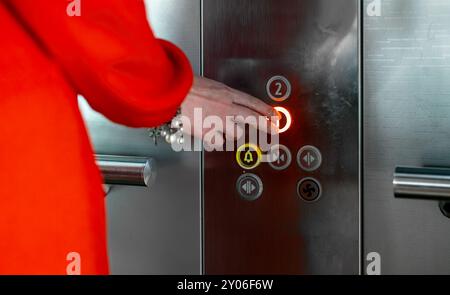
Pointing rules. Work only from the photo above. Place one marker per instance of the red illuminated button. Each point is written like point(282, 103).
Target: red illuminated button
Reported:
point(286, 119)
point(278, 88)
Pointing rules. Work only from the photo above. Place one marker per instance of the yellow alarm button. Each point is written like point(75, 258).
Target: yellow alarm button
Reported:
point(248, 156)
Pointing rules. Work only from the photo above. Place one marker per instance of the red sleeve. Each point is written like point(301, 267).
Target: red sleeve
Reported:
point(112, 58)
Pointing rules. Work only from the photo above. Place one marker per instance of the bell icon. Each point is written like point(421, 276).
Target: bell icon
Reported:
point(248, 157)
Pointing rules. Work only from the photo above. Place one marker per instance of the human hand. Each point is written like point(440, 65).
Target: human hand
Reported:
point(230, 105)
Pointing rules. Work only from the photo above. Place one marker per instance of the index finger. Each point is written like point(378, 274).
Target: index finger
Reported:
point(257, 105)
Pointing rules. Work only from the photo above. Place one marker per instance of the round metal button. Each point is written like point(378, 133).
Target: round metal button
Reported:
point(309, 189)
point(309, 158)
point(278, 88)
point(248, 156)
point(279, 157)
point(249, 187)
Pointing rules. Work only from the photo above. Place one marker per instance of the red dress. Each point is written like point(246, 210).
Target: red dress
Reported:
point(51, 199)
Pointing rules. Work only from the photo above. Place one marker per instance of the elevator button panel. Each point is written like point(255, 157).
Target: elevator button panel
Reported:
point(309, 158)
point(309, 203)
point(249, 187)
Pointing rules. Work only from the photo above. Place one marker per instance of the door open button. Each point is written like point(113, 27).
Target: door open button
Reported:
point(249, 187)
point(309, 158)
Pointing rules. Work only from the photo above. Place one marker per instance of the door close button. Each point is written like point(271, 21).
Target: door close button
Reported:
point(280, 157)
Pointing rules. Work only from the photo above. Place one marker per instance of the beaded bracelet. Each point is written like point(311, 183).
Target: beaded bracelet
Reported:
point(172, 131)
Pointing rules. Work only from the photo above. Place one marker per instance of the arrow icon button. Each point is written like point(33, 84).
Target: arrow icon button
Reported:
point(309, 158)
point(249, 187)
point(280, 157)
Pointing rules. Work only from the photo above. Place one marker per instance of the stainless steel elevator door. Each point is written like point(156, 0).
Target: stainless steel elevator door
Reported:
point(156, 230)
point(406, 123)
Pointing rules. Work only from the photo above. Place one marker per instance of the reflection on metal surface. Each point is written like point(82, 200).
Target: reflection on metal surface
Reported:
point(127, 170)
point(313, 44)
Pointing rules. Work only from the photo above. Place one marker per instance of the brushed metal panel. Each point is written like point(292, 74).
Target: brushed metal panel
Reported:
point(406, 123)
point(315, 45)
point(157, 230)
